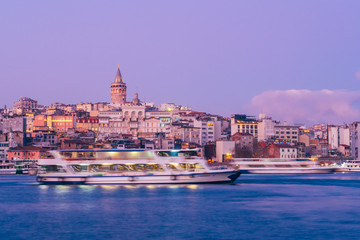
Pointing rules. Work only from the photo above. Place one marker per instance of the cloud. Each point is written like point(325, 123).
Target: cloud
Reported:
point(307, 106)
point(357, 75)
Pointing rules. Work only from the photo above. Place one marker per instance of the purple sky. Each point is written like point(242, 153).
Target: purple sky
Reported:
point(216, 56)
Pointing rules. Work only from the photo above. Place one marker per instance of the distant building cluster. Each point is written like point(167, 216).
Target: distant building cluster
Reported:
point(29, 130)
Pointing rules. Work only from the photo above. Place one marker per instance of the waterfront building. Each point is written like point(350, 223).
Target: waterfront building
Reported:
point(172, 106)
point(185, 133)
point(58, 123)
point(24, 104)
point(281, 151)
point(301, 150)
point(15, 124)
point(211, 126)
point(355, 139)
point(164, 143)
point(26, 154)
point(155, 125)
point(54, 111)
point(74, 144)
point(244, 144)
point(4, 148)
point(88, 123)
point(266, 128)
point(44, 139)
point(244, 124)
point(287, 134)
point(87, 107)
point(29, 118)
point(304, 138)
point(210, 129)
point(338, 140)
point(225, 150)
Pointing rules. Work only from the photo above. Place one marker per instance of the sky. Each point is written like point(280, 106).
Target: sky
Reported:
point(296, 61)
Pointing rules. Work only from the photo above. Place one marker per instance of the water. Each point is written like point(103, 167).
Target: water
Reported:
point(256, 207)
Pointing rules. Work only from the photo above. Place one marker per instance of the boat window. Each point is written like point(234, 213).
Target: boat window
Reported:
point(177, 153)
point(125, 168)
point(154, 167)
point(52, 168)
point(194, 166)
point(121, 167)
point(163, 154)
point(257, 166)
point(282, 165)
point(66, 154)
point(183, 165)
point(109, 155)
point(49, 156)
point(89, 154)
point(172, 166)
point(80, 168)
point(100, 168)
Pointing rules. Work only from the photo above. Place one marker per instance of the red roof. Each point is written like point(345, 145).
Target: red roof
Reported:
point(28, 148)
point(281, 146)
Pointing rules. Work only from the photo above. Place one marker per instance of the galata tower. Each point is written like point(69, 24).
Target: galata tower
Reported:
point(118, 90)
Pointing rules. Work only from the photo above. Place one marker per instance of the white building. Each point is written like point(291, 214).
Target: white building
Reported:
point(134, 120)
point(244, 124)
point(355, 139)
point(287, 151)
point(338, 138)
point(266, 128)
point(210, 129)
point(4, 147)
point(225, 149)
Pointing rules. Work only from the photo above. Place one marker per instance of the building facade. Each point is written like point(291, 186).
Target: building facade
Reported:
point(244, 124)
point(287, 134)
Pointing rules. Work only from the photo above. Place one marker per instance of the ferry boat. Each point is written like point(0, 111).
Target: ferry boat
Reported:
point(279, 166)
point(130, 167)
point(350, 166)
point(7, 169)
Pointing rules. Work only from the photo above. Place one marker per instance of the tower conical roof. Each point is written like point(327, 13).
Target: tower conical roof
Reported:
point(118, 77)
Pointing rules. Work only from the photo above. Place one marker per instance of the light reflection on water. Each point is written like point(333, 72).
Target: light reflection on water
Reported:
point(109, 187)
point(255, 207)
point(61, 189)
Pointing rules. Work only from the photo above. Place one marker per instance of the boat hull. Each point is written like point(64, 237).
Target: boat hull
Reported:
point(288, 171)
point(348, 170)
point(7, 171)
point(210, 177)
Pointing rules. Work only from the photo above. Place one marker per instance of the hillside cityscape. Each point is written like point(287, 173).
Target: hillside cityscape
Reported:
point(28, 130)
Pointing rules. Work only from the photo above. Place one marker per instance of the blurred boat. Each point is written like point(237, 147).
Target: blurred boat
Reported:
point(279, 166)
point(349, 166)
point(113, 166)
point(7, 169)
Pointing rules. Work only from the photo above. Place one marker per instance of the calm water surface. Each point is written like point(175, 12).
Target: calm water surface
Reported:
point(256, 207)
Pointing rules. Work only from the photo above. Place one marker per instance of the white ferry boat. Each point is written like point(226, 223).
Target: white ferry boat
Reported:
point(279, 166)
point(350, 166)
point(129, 167)
point(7, 169)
